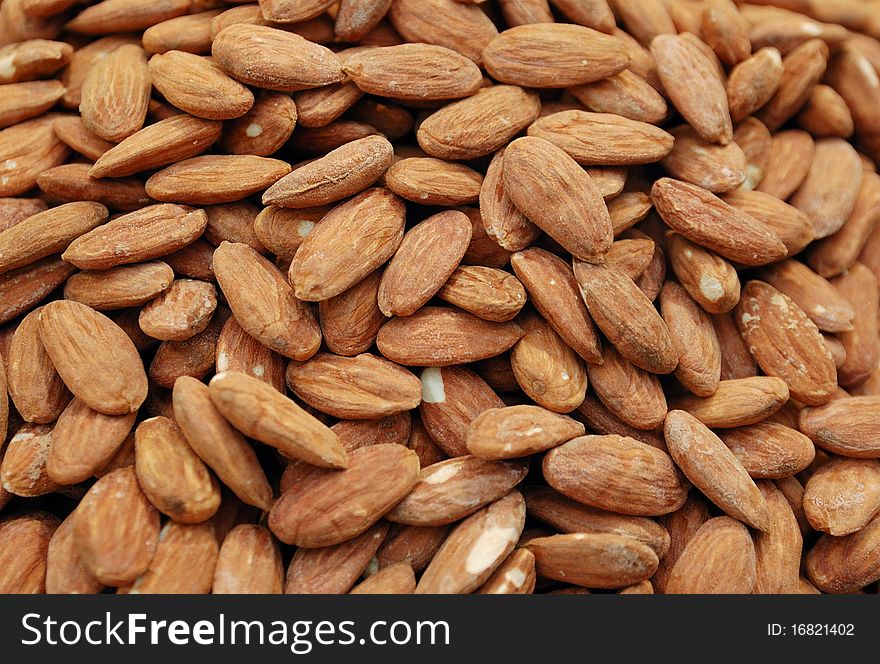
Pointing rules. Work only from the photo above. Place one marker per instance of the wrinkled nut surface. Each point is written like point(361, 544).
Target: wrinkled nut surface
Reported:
point(439, 296)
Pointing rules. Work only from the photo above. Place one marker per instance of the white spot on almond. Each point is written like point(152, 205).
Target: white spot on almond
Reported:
point(711, 288)
point(442, 474)
point(488, 547)
point(253, 130)
point(433, 390)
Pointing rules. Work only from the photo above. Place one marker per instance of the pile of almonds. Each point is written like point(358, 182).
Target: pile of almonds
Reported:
point(439, 296)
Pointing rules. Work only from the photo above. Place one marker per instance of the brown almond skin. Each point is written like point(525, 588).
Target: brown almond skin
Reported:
point(352, 240)
point(23, 553)
point(455, 488)
point(329, 508)
point(239, 351)
point(769, 449)
point(791, 155)
point(549, 54)
point(753, 82)
point(626, 94)
point(261, 412)
point(212, 179)
point(569, 516)
point(413, 545)
point(518, 431)
point(253, 54)
point(342, 172)
point(792, 226)
point(220, 446)
point(599, 419)
point(845, 564)
point(829, 192)
point(546, 369)
point(23, 469)
point(699, 361)
point(65, 573)
point(249, 562)
point(25, 287)
point(802, 68)
point(138, 236)
point(171, 475)
point(116, 529)
point(360, 387)
point(636, 330)
point(719, 559)
point(33, 146)
point(452, 397)
point(479, 125)
point(782, 340)
point(333, 569)
point(846, 427)
point(181, 312)
point(736, 361)
point(47, 233)
point(426, 258)
point(707, 220)
point(694, 87)
point(183, 563)
point(431, 181)
point(115, 94)
point(475, 548)
point(83, 442)
point(208, 93)
point(486, 292)
point(282, 322)
point(164, 142)
point(120, 287)
point(397, 72)
point(36, 389)
point(555, 293)
point(272, 118)
point(713, 469)
point(736, 402)
point(351, 320)
point(718, 168)
point(823, 303)
point(709, 279)
point(503, 222)
point(455, 25)
point(862, 343)
point(680, 527)
point(436, 337)
point(593, 560)
point(778, 552)
point(603, 139)
point(282, 230)
point(843, 495)
point(94, 357)
point(616, 473)
point(632, 394)
point(72, 182)
point(397, 579)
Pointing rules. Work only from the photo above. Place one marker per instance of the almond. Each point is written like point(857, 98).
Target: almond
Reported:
point(183, 563)
point(23, 553)
point(794, 350)
point(249, 562)
point(143, 235)
point(341, 173)
point(845, 564)
point(115, 93)
point(707, 220)
point(21, 289)
point(503, 221)
point(238, 351)
point(171, 475)
point(616, 473)
point(261, 412)
point(351, 320)
point(219, 445)
point(862, 343)
point(262, 130)
point(364, 386)
point(593, 560)
point(329, 508)
point(769, 449)
point(719, 559)
point(23, 468)
point(517, 431)
point(791, 155)
point(65, 573)
point(352, 240)
point(802, 68)
point(791, 225)
point(119, 287)
point(436, 337)
point(626, 94)
point(116, 529)
point(627, 317)
point(475, 548)
point(718, 168)
point(424, 261)
point(602, 139)
point(843, 495)
point(84, 441)
point(846, 427)
point(27, 150)
point(480, 124)
point(274, 59)
point(736, 402)
point(94, 357)
point(552, 55)
point(713, 469)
